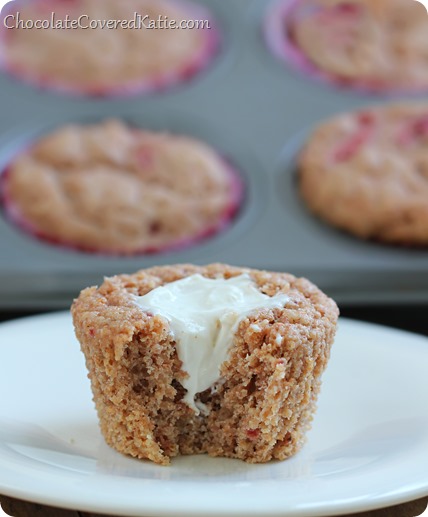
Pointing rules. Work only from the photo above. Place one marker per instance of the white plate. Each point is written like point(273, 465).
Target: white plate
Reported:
point(368, 447)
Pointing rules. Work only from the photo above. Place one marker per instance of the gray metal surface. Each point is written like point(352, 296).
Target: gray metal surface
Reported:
point(256, 112)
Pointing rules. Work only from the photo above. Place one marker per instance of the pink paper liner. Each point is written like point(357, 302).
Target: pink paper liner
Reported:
point(277, 33)
point(237, 190)
point(158, 83)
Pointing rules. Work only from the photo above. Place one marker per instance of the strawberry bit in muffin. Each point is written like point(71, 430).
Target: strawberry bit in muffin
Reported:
point(253, 434)
point(414, 131)
point(145, 156)
point(351, 145)
point(341, 19)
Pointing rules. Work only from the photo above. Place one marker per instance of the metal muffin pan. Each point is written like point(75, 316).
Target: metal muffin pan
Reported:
point(54, 267)
point(255, 111)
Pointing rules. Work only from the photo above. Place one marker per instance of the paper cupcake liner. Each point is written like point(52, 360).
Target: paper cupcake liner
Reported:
point(277, 33)
point(160, 82)
point(237, 190)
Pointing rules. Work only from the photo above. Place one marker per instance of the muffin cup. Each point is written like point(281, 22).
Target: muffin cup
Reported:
point(264, 400)
point(277, 34)
point(160, 82)
point(235, 200)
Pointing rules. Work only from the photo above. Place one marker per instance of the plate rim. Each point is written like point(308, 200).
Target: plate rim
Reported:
point(330, 508)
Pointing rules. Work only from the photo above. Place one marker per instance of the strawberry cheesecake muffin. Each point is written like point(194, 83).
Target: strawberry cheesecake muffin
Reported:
point(376, 45)
point(115, 189)
point(215, 359)
point(107, 47)
point(367, 173)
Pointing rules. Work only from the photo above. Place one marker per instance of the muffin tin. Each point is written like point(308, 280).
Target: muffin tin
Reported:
point(257, 112)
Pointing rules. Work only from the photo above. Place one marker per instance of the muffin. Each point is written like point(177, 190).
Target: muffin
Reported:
point(366, 172)
point(205, 359)
point(377, 45)
point(106, 47)
point(115, 189)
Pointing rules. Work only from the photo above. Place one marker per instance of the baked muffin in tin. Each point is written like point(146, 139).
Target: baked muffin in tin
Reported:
point(366, 172)
point(375, 45)
point(115, 189)
point(116, 48)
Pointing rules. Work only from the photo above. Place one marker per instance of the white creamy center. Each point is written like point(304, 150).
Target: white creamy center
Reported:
point(203, 315)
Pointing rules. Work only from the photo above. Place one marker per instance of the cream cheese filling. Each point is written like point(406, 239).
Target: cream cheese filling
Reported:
point(203, 315)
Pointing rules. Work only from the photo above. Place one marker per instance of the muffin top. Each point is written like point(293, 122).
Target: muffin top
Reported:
point(380, 44)
point(116, 189)
point(111, 314)
point(367, 172)
point(115, 46)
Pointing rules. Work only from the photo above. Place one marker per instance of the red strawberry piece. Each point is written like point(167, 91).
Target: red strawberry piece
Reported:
point(350, 146)
point(413, 131)
point(253, 434)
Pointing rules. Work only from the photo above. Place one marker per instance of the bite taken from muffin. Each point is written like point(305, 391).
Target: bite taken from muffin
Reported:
point(210, 359)
point(115, 189)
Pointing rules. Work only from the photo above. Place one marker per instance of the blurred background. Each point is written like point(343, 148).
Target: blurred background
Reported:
point(250, 80)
